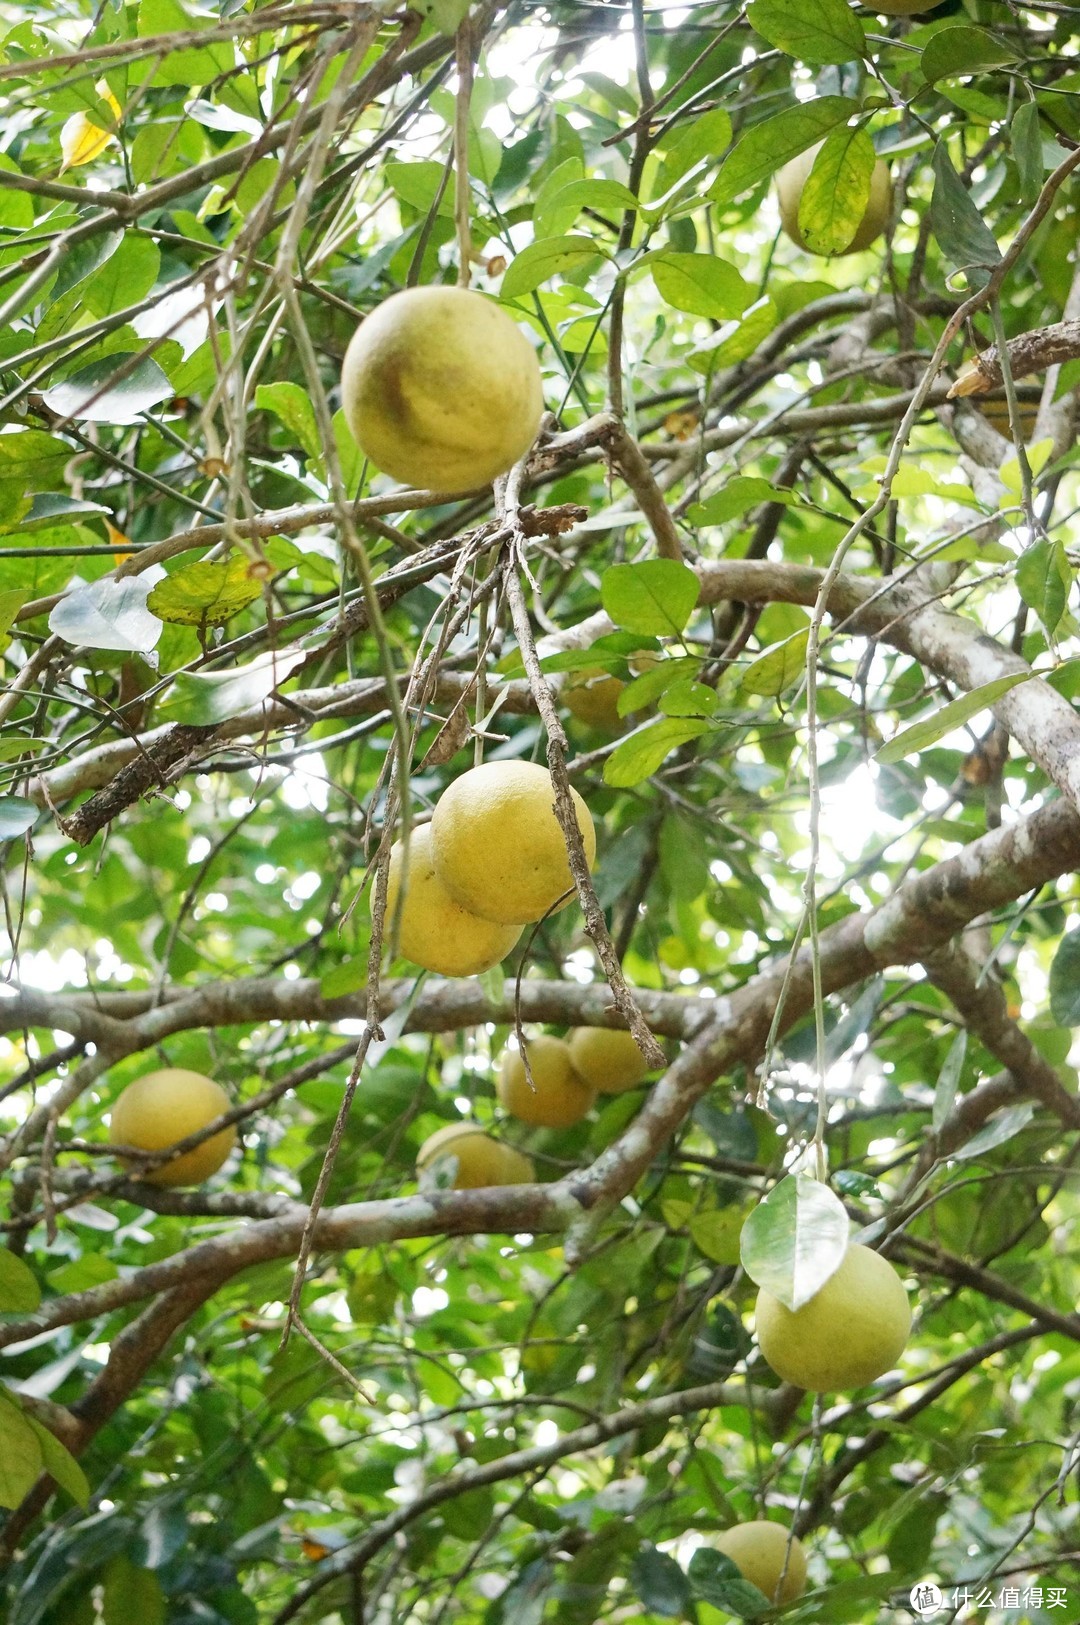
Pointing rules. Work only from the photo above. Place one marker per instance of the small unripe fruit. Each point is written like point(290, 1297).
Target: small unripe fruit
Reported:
point(434, 931)
point(789, 188)
point(165, 1107)
point(606, 1059)
point(497, 845)
point(849, 1333)
point(480, 1160)
point(760, 1551)
point(559, 1098)
point(441, 389)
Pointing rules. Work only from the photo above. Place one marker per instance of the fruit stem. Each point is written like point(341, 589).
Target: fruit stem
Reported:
point(464, 64)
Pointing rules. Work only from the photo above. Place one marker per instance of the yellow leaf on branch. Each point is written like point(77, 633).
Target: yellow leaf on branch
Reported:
point(81, 140)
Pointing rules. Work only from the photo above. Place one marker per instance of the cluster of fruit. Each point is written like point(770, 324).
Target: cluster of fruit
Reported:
point(567, 1076)
point(492, 860)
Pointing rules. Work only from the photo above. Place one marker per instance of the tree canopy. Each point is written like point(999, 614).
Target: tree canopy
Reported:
point(782, 589)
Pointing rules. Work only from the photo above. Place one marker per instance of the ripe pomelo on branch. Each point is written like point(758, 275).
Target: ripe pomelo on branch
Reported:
point(434, 931)
point(792, 179)
point(164, 1107)
point(850, 1332)
point(761, 1553)
point(479, 1159)
point(606, 1058)
point(441, 389)
point(560, 1098)
point(498, 846)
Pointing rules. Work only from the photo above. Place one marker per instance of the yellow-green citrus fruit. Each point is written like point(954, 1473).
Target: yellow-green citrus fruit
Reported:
point(480, 1159)
point(498, 846)
point(435, 931)
point(606, 1059)
point(163, 1107)
point(849, 1333)
point(559, 1099)
point(592, 695)
point(789, 187)
point(761, 1554)
point(441, 389)
point(901, 8)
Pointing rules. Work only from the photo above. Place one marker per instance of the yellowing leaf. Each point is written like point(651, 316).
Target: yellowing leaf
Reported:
point(81, 140)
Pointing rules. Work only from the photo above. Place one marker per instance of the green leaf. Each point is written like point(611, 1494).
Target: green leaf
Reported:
point(688, 699)
point(603, 196)
point(117, 390)
point(60, 1464)
point(999, 1128)
point(656, 597)
point(186, 67)
point(963, 51)
point(716, 1579)
point(83, 260)
point(779, 666)
point(204, 594)
point(706, 136)
point(910, 1544)
point(736, 340)
point(795, 1239)
point(1044, 580)
point(1025, 134)
point(964, 236)
point(817, 31)
point(33, 460)
point(717, 1235)
point(643, 690)
point(21, 1460)
point(79, 1273)
point(700, 284)
point(948, 1080)
point(16, 816)
point(837, 191)
point(108, 615)
point(292, 406)
point(950, 716)
point(660, 1584)
point(132, 1594)
point(16, 207)
point(469, 1516)
point(1065, 982)
point(347, 977)
point(50, 509)
point(19, 1290)
point(127, 277)
point(638, 757)
point(739, 496)
point(351, 459)
point(768, 146)
point(10, 604)
point(202, 699)
point(544, 259)
point(549, 221)
point(684, 861)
